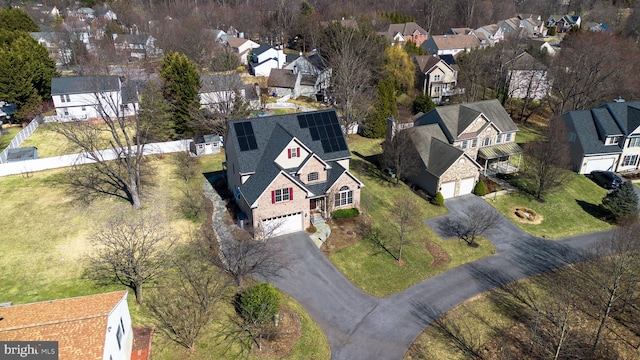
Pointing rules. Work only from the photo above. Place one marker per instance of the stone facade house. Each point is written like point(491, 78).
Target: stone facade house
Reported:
point(399, 34)
point(606, 137)
point(285, 170)
point(455, 143)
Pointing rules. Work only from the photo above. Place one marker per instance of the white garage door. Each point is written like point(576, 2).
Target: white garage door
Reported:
point(282, 224)
point(466, 186)
point(448, 189)
point(599, 164)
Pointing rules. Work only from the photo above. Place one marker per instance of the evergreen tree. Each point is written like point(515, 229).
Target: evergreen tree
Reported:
point(622, 203)
point(384, 108)
point(181, 86)
point(15, 19)
point(155, 114)
point(422, 103)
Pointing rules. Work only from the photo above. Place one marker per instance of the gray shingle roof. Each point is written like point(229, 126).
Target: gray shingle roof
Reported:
point(272, 134)
point(457, 118)
point(282, 78)
point(587, 133)
point(84, 84)
point(432, 146)
point(220, 82)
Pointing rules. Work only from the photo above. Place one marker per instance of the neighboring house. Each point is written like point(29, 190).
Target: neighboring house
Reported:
point(399, 34)
point(316, 75)
point(22, 153)
point(91, 97)
point(51, 42)
point(450, 44)
point(136, 46)
point(438, 78)
point(606, 137)
point(527, 78)
point(454, 143)
point(564, 23)
point(596, 27)
point(106, 14)
point(242, 47)
point(86, 327)
point(532, 26)
point(206, 144)
point(218, 91)
point(285, 169)
point(264, 58)
point(490, 34)
point(283, 82)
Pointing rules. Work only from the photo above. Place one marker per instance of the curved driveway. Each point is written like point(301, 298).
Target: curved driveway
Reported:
point(360, 326)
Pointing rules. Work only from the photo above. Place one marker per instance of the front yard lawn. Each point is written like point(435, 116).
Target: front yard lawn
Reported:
point(8, 133)
point(568, 211)
point(376, 272)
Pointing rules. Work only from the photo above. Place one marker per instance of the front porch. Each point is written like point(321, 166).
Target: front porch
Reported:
point(497, 159)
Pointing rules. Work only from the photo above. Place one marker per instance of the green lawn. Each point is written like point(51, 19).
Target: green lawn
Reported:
point(5, 138)
point(571, 210)
point(375, 272)
point(528, 133)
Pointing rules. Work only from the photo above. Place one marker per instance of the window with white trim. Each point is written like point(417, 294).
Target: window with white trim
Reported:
point(612, 141)
point(65, 98)
point(499, 139)
point(344, 197)
point(436, 77)
point(66, 111)
point(314, 176)
point(630, 160)
point(486, 141)
point(508, 137)
point(281, 195)
point(474, 142)
point(464, 144)
point(436, 89)
point(634, 142)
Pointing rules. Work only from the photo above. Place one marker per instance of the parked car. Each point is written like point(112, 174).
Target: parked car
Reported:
point(606, 179)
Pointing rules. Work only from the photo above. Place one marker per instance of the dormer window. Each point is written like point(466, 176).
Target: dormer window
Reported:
point(508, 137)
point(612, 141)
point(294, 152)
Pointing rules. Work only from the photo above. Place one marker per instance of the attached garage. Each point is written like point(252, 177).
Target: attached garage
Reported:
point(448, 189)
point(599, 164)
point(466, 186)
point(284, 224)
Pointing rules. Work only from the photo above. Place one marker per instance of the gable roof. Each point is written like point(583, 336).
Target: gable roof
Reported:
point(593, 126)
point(444, 42)
point(262, 48)
point(525, 61)
point(78, 324)
point(273, 133)
point(405, 29)
point(84, 84)
point(433, 148)
point(220, 82)
point(282, 78)
point(427, 62)
point(456, 118)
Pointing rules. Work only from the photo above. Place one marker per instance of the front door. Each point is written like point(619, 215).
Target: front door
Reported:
point(312, 204)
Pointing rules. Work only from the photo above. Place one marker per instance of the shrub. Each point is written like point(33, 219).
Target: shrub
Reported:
point(622, 203)
point(240, 69)
point(312, 229)
point(258, 304)
point(345, 213)
point(480, 189)
point(438, 200)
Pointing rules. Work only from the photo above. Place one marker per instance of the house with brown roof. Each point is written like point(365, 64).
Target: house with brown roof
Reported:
point(85, 327)
point(284, 82)
point(241, 47)
point(438, 78)
point(399, 34)
point(450, 44)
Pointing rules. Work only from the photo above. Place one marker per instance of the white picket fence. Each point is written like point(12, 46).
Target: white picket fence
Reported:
point(20, 137)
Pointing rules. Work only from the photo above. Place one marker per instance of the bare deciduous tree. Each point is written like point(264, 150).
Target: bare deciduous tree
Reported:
point(405, 215)
point(476, 221)
point(397, 158)
point(130, 249)
point(188, 299)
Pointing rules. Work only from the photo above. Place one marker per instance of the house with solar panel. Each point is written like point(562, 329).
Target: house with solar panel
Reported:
point(287, 170)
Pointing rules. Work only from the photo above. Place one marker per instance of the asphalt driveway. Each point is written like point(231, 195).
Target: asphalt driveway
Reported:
point(360, 326)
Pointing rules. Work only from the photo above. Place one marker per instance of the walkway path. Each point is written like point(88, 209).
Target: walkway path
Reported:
point(360, 326)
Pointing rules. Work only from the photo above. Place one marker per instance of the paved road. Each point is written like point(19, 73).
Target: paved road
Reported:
point(359, 326)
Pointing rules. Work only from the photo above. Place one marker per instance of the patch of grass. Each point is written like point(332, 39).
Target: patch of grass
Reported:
point(376, 272)
point(527, 133)
point(8, 133)
point(568, 211)
point(48, 142)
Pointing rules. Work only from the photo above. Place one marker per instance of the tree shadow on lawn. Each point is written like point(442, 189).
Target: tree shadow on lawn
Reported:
point(594, 210)
point(369, 169)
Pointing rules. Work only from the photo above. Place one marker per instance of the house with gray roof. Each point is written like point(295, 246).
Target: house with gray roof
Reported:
point(399, 34)
point(439, 79)
point(287, 170)
point(527, 77)
point(455, 143)
point(264, 58)
point(606, 137)
point(284, 82)
point(92, 97)
point(316, 75)
point(219, 92)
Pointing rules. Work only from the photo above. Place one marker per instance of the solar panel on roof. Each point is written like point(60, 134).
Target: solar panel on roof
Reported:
point(245, 135)
point(325, 128)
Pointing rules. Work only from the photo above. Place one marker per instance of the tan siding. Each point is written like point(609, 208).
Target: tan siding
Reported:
point(289, 163)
